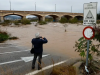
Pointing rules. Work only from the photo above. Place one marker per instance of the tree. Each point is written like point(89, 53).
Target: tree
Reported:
point(98, 16)
point(63, 20)
point(81, 45)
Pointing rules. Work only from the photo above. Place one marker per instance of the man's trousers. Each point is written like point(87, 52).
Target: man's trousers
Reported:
point(39, 60)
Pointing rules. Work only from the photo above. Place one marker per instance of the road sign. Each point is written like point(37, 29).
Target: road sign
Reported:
point(88, 32)
point(90, 14)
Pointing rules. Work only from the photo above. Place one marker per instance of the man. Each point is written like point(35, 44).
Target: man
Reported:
point(38, 49)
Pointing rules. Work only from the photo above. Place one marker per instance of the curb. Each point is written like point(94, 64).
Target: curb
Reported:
point(47, 71)
point(77, 65)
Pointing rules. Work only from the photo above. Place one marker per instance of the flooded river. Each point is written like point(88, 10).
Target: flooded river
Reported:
point(59, 42)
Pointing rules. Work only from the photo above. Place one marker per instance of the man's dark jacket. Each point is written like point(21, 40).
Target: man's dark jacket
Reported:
point(38, 44)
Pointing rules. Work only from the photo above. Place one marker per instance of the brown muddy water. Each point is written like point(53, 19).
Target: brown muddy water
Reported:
point(59, 42)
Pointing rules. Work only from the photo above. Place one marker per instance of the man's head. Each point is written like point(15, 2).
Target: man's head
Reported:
point(37, 35)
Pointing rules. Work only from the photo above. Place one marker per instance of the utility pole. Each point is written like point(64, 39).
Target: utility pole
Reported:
point(71, 9)
point(35, 6)
point(10, 4)
point(55, 7)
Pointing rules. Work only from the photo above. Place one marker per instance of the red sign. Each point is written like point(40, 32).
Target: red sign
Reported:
point(88, 33)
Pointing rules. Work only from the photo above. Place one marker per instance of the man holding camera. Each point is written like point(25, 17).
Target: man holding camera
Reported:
point(38, 49)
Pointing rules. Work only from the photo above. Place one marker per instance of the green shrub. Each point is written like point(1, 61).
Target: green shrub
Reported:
point(74, 20)
point(80, 21)
point(63, 20)
point(25, 21)
point(33, 20)
point(42, 22)
point(13, 38)
point(19, 21)
point(16, 22)
point(3, 36)
point(4, 24)
point(7, 21)
point(49, 19)
point(98, 21)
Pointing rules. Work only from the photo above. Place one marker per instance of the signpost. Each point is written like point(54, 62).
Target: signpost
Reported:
point(90, 18)
point(88, 32)
point(90, 13)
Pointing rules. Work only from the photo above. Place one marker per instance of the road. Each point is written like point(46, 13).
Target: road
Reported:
point(17, 60)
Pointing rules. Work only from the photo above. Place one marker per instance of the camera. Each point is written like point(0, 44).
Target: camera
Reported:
point(40, 37)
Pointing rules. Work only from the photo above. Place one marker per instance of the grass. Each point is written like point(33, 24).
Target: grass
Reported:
point(63, 70)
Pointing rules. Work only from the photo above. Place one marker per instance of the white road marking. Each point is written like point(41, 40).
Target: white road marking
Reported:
point(14, 51)
point(9, 46)
point(50, 66)
point(25, 59)
point(10, 62)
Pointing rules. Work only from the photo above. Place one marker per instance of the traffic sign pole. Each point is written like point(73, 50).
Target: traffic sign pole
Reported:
point(87, 52)
point(90, 18)
point(88, 34)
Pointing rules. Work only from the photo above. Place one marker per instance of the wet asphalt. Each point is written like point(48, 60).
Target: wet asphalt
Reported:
point(12, 64)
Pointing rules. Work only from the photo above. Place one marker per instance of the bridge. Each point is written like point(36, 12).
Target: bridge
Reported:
point(40, 14)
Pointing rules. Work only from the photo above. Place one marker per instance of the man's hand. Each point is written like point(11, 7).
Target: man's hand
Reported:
point(42, 37)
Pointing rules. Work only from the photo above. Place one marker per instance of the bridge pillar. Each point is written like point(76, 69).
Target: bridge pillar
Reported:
point(59, 18)
point(24, 17)
point(2, 19)
point(42, 18)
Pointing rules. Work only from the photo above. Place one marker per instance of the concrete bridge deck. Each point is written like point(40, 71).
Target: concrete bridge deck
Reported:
point(40, 14)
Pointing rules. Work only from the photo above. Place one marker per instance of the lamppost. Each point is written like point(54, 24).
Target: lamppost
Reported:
point(55, 7)
point(71, 9)
point(35, 6)
point(10, 4)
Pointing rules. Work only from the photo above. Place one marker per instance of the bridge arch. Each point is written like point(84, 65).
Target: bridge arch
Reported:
point(55, 17)
point(14, 14)
point(68, 17)
point(17, 14)
point(79, 17)
point(40, 17)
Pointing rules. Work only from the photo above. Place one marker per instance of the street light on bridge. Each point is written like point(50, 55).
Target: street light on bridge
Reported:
point(35, 6)
point(10, 4)
point(71, 9)
point(55, 7)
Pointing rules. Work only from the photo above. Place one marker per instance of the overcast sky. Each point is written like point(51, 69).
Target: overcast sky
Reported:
point(47, 5)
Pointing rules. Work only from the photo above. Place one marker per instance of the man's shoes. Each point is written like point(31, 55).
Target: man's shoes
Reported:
point(33, 67)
